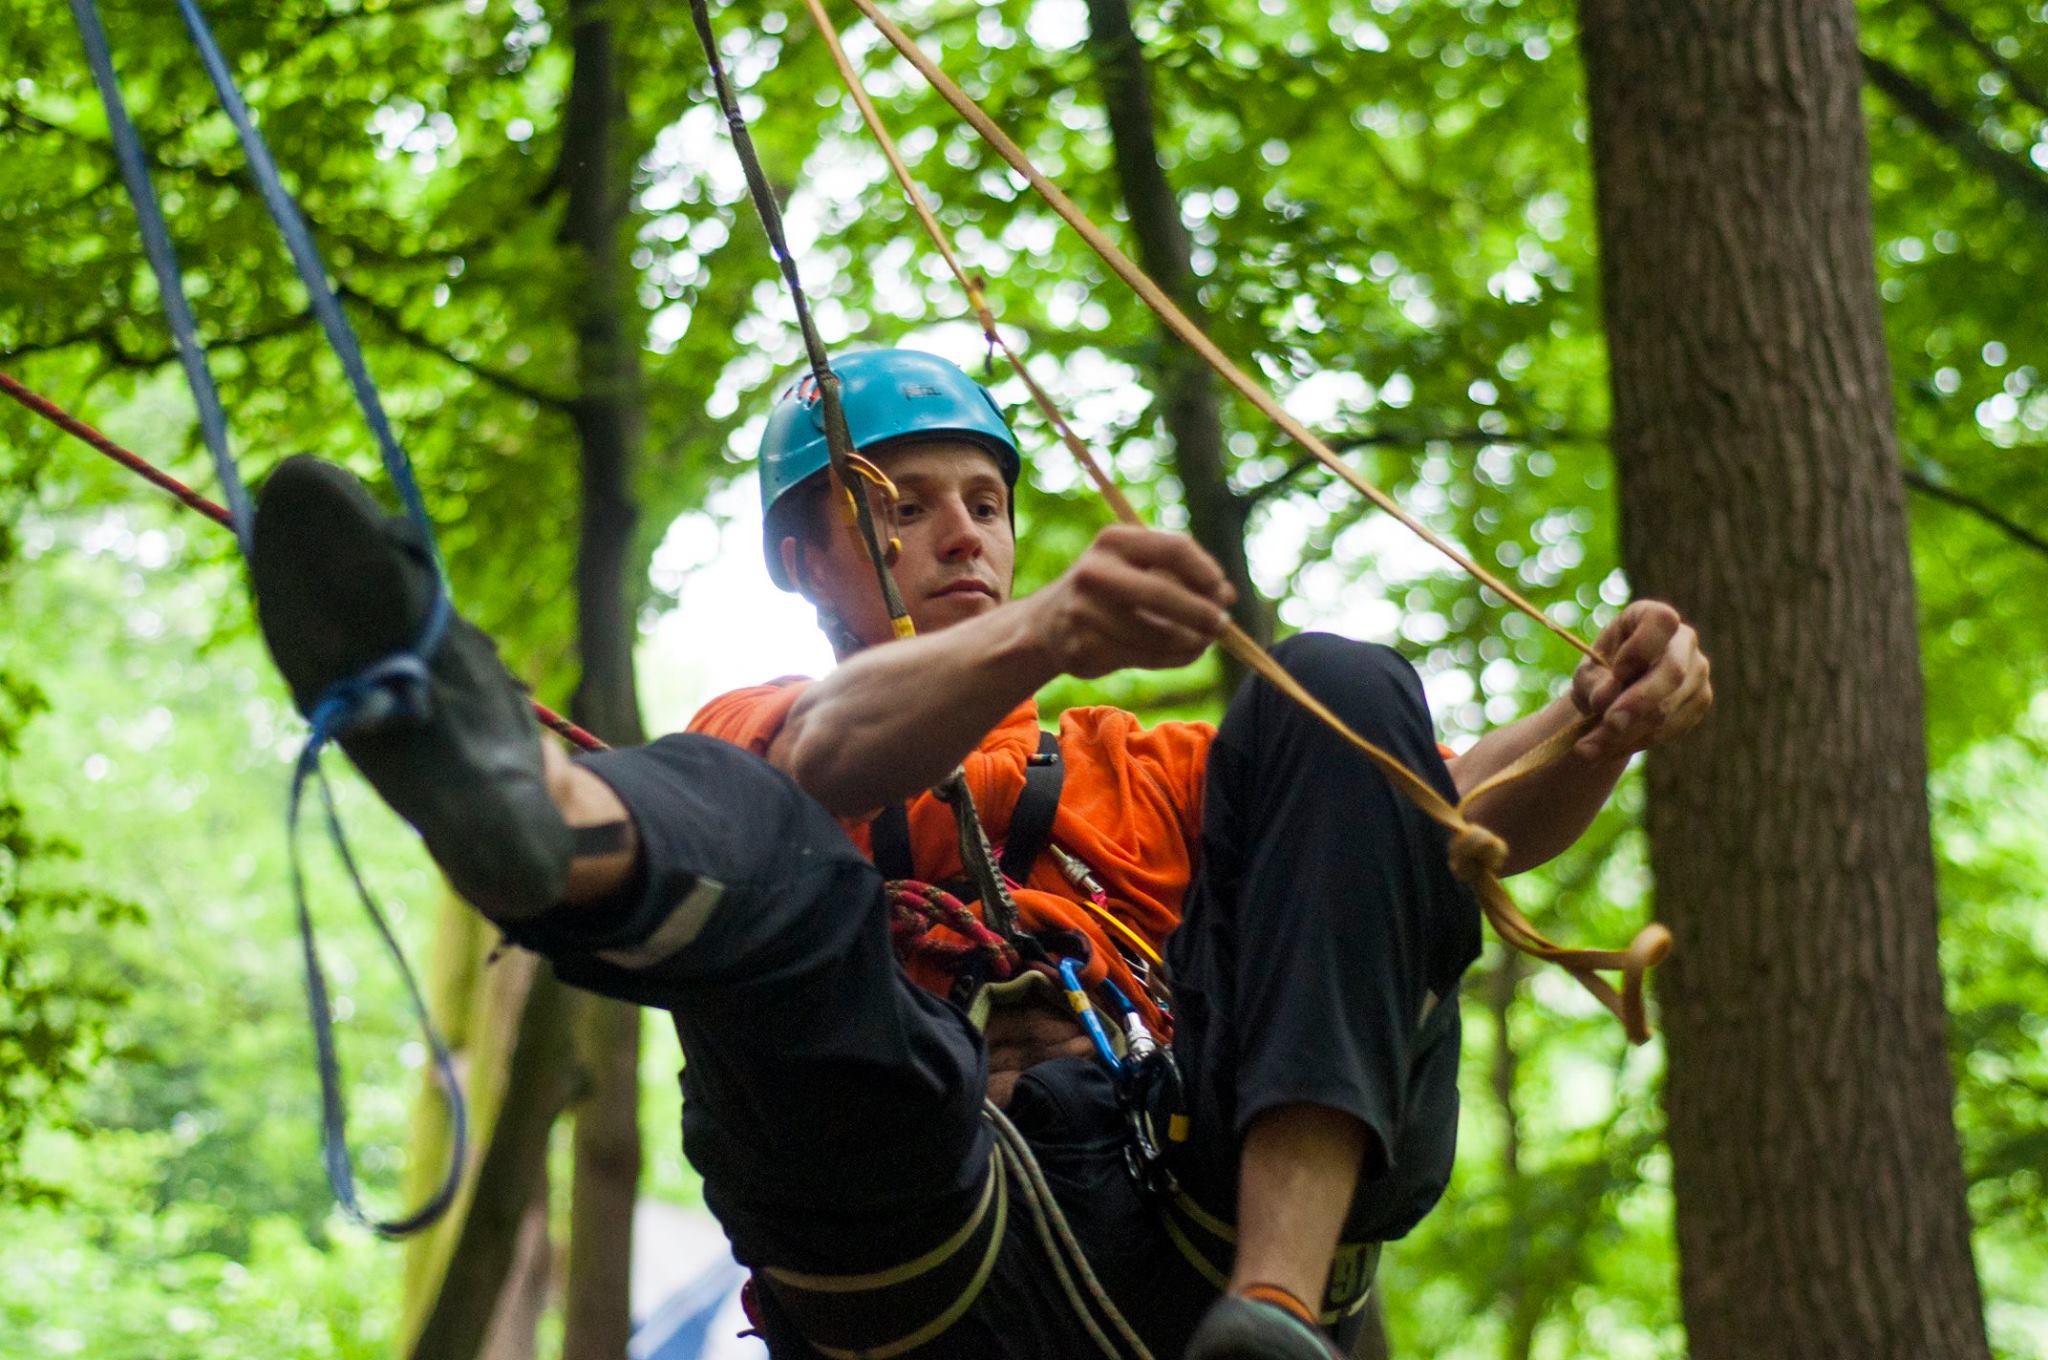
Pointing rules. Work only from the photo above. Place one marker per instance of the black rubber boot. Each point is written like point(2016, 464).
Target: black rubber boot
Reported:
point(1238, 1328)
point(340, 585)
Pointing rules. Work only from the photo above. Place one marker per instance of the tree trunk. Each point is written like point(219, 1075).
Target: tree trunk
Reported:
point(1522, 1304)
point(515, 1328)
point(1818, 1179)
point(529, 1084)
point(608, 415)
point(1189, 405)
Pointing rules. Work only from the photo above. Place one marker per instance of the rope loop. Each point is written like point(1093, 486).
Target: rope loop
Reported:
point(917, 908)
point(393, 687)
point(1476, 853)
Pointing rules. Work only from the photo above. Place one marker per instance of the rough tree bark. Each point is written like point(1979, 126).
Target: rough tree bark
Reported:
point(1819, 1183)
point(608, 416)
point(1189, 405)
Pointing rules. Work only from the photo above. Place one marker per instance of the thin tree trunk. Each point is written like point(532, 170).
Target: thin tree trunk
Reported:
point(530, 1089)
point(1523, 1305)
point(608, 415)
point(1819, 1183)
point(515, 1327)
point(1189, 405)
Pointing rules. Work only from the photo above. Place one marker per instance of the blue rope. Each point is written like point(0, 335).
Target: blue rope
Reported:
point(163, 258)
point(393, 688)
point(299, 241)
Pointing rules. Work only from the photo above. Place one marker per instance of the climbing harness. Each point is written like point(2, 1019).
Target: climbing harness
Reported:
point(859, 1317)
point(1137, 952)
point(1030, 834)
point(391, 688)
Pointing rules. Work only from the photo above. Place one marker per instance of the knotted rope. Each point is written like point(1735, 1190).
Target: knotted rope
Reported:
point(1476, 854)
point(916, 909)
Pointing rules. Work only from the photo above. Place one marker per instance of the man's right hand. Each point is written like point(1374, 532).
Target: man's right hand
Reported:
point(1136, 597)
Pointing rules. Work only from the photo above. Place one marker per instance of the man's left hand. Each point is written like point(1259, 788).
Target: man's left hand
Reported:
point(1019, 1038)
point(1656, 688)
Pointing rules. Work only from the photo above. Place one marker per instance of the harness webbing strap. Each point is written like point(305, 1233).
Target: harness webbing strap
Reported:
point(1031, 822)
point(899, 1274)
point(833, 1311)
point(889, 843)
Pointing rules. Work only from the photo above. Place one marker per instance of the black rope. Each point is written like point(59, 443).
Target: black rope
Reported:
point(999, 908)
point(838, 439)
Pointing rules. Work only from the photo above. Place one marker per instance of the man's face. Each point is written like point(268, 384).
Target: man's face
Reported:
point(953, 517)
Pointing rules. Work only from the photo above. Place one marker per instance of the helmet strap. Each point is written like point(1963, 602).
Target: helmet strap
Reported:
point(845, 642)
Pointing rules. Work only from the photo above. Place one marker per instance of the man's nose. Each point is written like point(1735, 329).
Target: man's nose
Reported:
point(959, 539)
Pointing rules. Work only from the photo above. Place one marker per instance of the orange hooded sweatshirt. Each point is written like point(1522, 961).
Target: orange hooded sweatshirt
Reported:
point(1130, 810)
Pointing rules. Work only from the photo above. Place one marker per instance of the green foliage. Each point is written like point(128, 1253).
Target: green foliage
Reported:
point(56, 1002)
point(57, 998)
point(118, 1273)
point(1391, 208)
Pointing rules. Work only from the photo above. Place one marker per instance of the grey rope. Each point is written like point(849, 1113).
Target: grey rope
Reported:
point(1062, 1247)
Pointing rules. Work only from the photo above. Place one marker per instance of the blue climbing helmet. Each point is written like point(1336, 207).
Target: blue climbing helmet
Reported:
point(890, 396)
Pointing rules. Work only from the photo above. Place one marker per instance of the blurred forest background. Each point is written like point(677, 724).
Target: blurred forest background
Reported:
point(1387, 207)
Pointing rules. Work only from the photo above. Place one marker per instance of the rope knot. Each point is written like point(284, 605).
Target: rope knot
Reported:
point(916, 909)
point(396, 689)
point(1476, 852)
point(393, 690)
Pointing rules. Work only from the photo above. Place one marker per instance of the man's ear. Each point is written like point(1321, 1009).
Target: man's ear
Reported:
point(791, 550)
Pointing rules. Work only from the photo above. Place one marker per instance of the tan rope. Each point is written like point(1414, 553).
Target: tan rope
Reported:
point(1189, 333)
point(1477, 854)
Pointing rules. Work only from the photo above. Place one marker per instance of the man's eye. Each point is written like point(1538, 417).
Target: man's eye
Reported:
point(989, 510)
point(908, 510)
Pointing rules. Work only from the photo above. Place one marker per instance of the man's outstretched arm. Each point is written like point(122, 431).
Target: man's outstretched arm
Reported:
point(1658, 688)
point(895, 719)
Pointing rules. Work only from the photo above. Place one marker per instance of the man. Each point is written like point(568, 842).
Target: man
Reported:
point(1311, 931)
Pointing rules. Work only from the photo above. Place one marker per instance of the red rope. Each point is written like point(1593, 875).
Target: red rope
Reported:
point(78, 429)
point(146, 470)
point(916, 909)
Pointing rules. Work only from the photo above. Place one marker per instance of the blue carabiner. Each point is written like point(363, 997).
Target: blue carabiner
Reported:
point(1077, 997)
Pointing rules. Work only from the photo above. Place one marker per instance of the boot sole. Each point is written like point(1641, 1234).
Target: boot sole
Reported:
point(339, 585)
